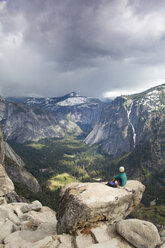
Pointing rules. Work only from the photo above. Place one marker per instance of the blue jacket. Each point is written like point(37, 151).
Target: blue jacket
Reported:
point(121, 178)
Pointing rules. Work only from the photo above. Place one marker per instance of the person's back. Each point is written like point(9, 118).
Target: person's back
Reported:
point(121, 177)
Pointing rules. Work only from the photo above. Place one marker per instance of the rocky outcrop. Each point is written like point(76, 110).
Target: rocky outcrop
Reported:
point(83, 204)
point(142, 234)
point(27, 225)
point(37, 228)
point(32, 225)
point(36, 205)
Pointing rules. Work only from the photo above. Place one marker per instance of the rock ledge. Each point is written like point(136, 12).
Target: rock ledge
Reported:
point(83, 204)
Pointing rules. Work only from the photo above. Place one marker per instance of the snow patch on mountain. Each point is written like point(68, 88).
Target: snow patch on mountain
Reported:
point(34, 101)
point(73, 94)
point(73, 101)
point(152, 100)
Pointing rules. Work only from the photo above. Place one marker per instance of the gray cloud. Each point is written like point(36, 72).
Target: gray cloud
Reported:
point(52, 47)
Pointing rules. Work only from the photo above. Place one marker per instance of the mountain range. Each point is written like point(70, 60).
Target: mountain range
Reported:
point(28, 118)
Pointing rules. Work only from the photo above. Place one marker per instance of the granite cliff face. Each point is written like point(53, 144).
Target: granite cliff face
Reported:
point(1, 148)
point(11, 163)
point(129, 120)
point(83, 111)
point(14, 167)
point(22, 123)
point(10, 153)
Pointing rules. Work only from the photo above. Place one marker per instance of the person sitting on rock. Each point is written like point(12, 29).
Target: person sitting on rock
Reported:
point(119, 179)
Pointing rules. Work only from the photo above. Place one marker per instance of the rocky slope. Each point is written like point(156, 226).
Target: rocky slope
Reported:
point(20, 175)
point(14, 167)
point(6, 185)
point(11, 163)
point(10, 153)
point(1, 147)
point(32, 225)
point(128, 121)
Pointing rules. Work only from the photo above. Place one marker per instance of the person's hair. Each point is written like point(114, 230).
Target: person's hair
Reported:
point(121, 169)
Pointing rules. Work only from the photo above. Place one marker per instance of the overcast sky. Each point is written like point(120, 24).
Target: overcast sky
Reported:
point(93, 47)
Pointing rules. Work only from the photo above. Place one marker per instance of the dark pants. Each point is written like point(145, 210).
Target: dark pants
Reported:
point(112, 184)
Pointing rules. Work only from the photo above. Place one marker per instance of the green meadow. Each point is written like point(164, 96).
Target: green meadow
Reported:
point(60, 180)
point(36, 146)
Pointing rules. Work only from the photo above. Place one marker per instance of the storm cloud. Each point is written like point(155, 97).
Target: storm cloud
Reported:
point(51, 47)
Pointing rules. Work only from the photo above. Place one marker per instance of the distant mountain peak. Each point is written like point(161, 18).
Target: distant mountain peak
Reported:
point(72, 94)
